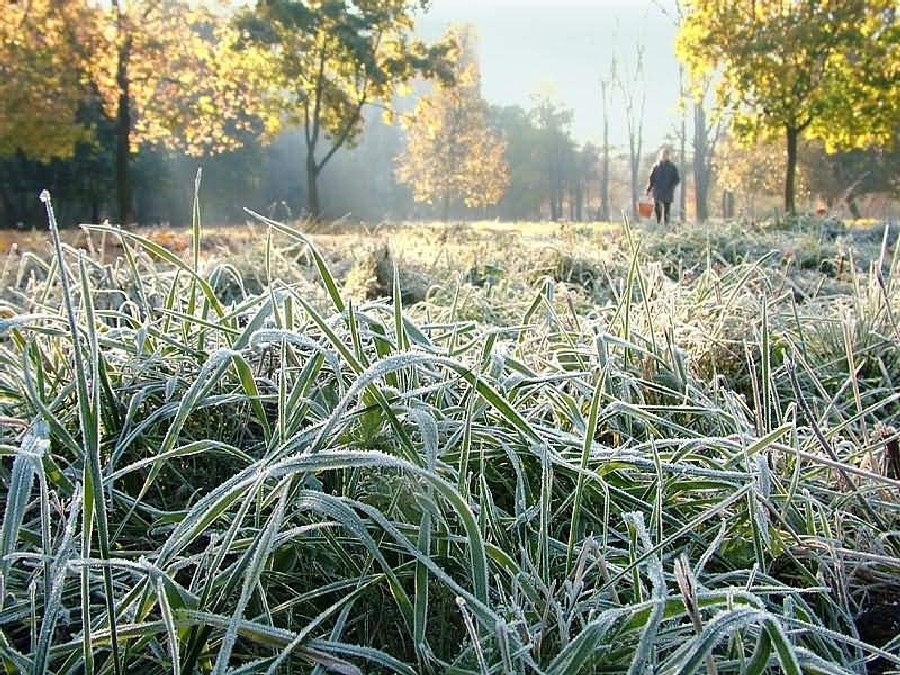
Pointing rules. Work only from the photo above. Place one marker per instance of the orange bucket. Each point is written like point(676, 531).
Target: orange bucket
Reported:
point(645, 208)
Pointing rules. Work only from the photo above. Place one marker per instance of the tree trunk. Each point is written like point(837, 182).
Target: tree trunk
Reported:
point(560, 186)
point(604, 185)
point(123, 134)
point(551, 181)
point(634, 161)
point(578, 202)
point(7, 211)
point(8, 217)
point(701, 163)
point(313, 206)
point(790, 179)
point(604, 165)
point(683, 188)
point(634, 120)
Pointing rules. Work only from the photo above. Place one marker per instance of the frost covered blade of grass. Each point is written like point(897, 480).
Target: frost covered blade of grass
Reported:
point(525, 473)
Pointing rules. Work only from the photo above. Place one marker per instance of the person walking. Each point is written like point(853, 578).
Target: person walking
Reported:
point(663, 180)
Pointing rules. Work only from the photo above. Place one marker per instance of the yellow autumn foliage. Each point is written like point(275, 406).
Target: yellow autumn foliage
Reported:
point(452, 155)
point(41, 77)
point(829, 70)
point(186, 81)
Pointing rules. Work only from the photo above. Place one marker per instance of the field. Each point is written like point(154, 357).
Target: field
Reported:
point(471, 448)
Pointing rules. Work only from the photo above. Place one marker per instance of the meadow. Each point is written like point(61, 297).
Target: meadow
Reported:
point(478, 448)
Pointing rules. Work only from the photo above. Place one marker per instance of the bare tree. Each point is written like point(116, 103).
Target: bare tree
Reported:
point(682, 157)
point(706, 132)
point(634, 96)
point(706, 136)
point(604, 162)
point(675, 14)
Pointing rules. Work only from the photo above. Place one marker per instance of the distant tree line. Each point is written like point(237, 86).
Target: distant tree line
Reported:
point(824, 72)
point(112, 85)
point(113, 106)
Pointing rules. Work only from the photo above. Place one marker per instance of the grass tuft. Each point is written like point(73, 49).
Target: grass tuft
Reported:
point(237, 464)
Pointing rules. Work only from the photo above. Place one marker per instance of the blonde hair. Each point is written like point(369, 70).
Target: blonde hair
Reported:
point(663, 153)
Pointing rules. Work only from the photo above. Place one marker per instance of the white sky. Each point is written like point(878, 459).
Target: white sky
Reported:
point(566, 46)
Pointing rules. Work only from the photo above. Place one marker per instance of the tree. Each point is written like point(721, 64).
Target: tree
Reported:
point(555, 148)
point(604, 164)
point(452, 154)
point(827, 70)
point(634, 97)
point(750, 170)
point(527, 172)
point(702, 157)
point(160, 69)
point(707, 132)
point(46, 124)
point(682, 141)
point(320, 62)
point(41, 67)
point(848, 175)
point(168, 75)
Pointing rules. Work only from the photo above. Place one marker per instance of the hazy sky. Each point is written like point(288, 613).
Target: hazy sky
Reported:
point(566, 45)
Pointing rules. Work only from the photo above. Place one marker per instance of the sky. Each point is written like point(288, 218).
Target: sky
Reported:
point(565, 46)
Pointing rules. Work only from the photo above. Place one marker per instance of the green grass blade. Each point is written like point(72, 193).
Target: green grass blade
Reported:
point(429, 433)
point(248, 383)
point(163, 254)
point(787, 654)
point(88, 397)
point(325, 274)
point(261, 551)
point(53, 603)
point(165, 611)
point(577, 504)
point(303, 636)
point(19, 489)
point(762, 653)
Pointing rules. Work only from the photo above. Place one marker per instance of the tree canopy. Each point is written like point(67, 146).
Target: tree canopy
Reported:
point(41, 74)
point(320, 62)
point(184, 80)
point(163, 70)
point(453, 156)
point(166, 72)
point(826, 70)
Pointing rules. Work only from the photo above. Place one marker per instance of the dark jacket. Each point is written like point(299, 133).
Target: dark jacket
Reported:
point(663, 179)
